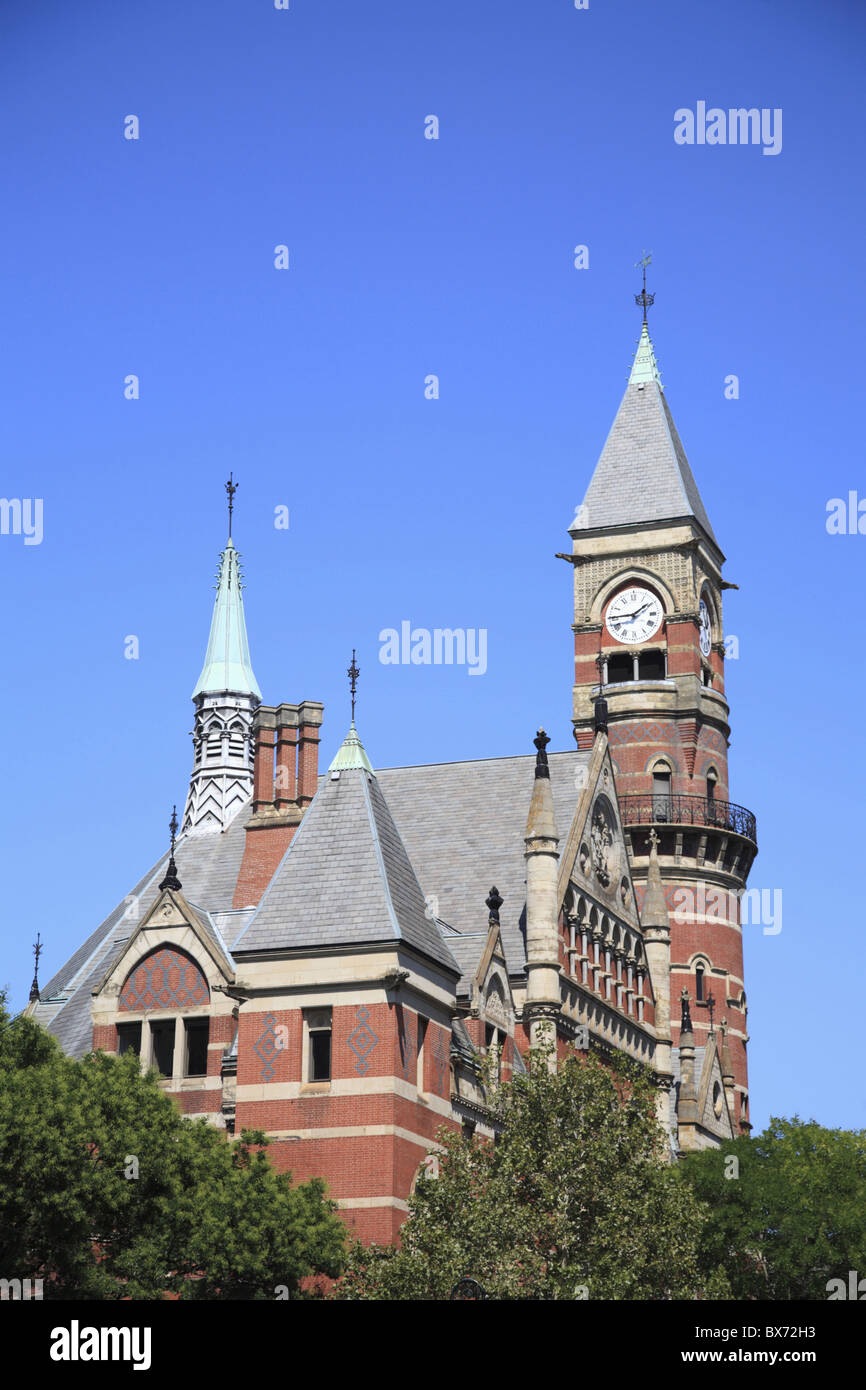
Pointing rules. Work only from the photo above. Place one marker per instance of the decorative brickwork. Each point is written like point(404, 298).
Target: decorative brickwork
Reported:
point(166, 979)
point(362, 1040)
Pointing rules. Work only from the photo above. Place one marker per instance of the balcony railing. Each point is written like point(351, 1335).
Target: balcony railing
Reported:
point(673, 809)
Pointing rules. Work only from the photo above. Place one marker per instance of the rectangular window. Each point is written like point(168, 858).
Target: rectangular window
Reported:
point(162, 1044)
point(197, 1036)
point(422, 1039)
point(129, 1038)
point(318, 1024)
point(661, 796)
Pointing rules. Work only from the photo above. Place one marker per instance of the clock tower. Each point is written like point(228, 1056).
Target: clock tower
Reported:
point(648, 629)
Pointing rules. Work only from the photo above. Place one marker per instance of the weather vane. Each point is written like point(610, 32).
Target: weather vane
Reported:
point(231, 489)
point(644, 300)
point(353, 673)
point(37, 952)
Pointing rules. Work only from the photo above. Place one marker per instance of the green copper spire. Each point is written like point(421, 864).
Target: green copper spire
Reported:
point(351, 754)
point(227, 663)
point(645, 368)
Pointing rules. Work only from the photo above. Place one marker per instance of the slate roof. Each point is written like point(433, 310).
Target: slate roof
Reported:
point(447, 830)
point(643, 473)
point(346, 879)
point(463, 825)
point(207, 866)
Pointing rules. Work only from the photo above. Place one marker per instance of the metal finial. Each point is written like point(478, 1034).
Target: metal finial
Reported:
point(231, 489)
point(353, 673)
point(644, 300)
point(494, 902)
point(711, 1004)
point(541, 741)
point(171, 879)
point(686, 1024)
point(37, 952)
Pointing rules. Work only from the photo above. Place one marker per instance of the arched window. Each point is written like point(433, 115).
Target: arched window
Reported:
point(699, 983)
point(712, 782)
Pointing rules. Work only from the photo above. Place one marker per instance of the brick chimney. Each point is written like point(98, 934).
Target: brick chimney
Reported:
point(286, 769)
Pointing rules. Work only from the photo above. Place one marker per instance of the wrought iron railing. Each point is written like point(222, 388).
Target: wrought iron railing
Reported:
point(674, 809)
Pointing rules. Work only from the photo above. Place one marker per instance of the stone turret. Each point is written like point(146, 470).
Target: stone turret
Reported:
point(543, 995)
point(687, 1106)
point(657, 944)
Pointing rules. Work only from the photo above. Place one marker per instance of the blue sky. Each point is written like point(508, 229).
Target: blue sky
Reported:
point(409, 257)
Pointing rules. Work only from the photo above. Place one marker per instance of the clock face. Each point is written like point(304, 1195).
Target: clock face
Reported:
point(634, 615)
point(706, 631)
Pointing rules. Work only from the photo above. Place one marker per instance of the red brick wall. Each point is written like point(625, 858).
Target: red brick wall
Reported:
point(264, 847)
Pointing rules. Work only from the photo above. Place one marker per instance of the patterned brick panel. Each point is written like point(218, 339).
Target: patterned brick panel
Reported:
point(166, 979)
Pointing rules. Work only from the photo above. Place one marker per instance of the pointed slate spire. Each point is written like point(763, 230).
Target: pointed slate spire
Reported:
point(643, 473)
point(227, 665)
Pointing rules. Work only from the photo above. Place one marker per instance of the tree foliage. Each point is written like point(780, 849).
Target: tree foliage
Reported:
point(790, 1214)
point(575, 1199)
point(107, 1191)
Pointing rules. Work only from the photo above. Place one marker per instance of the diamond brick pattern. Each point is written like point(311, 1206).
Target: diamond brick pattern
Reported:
point(166, 979)
point(362, 1040)
point(266, 1048)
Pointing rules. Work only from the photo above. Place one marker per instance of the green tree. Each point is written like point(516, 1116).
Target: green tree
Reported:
point(107, 1191)
point(790, 1214)
point(574, 1199)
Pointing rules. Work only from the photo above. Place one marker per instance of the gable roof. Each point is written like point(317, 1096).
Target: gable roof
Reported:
point(643, 473)
point(207, 866)
point(346, 879)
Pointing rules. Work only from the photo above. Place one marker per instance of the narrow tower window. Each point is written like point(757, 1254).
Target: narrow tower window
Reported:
point(699, 984)
point(661, 793)
point(318, 1026)
point(422, 1052)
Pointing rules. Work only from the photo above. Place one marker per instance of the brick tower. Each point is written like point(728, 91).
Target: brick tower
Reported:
point(648, 623)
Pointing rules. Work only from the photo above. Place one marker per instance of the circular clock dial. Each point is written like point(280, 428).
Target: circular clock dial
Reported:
point(706, 631)
point(634, 615)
